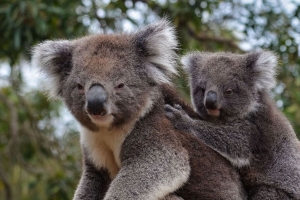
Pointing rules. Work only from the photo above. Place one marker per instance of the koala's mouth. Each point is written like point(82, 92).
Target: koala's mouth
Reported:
point(101, 119)
point(213, 112)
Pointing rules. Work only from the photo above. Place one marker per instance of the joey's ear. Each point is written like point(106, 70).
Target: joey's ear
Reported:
point(191, 61)
point(157, 44)
point(263, 66)
point(54, 59)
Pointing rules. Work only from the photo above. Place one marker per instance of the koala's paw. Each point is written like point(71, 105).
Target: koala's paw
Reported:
point(177, 116)
point(173, 112)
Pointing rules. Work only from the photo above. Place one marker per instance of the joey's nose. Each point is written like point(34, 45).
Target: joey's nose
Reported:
point(211, 100)
point(97, 100)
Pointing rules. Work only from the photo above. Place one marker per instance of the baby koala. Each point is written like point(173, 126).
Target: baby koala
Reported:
point(231, 92)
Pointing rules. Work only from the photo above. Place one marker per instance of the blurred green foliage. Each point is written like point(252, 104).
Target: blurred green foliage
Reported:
point(34, 162)
point(37, 162)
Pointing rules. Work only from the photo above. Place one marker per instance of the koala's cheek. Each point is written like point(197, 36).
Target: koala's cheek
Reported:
point(78, 101)
point(125, 106)
point(75, 102)
point(122, 105)
point(201, 110)
point(78, 106)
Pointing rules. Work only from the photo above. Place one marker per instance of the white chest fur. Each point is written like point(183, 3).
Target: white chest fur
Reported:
point(104, 147)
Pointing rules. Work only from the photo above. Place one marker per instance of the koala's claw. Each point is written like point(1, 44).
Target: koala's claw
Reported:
point(178, 117)
point(169, 115)
point(172, 112)
point(168, 108)
point(178, 107)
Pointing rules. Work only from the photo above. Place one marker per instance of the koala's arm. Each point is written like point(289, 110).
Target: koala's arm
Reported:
point(93, 183)
point(234, 140)
point(171, 97)
point(150, 171)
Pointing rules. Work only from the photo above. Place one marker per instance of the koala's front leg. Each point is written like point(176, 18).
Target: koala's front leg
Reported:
point(151, 170)
point(179, 118)
point(234, 140)
point(141, 181)
point(93, 183)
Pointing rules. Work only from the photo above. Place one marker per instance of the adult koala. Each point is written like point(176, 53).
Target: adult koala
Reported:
point(112, 84)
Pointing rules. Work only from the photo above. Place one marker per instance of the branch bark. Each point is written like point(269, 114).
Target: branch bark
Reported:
point(205, 38)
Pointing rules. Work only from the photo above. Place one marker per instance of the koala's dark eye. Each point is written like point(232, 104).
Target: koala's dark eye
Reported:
point(199, 91)
point(79, 87)
point(228, 92)
point(121, 85)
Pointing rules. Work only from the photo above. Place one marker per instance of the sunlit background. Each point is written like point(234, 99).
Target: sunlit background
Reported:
point(40, 155)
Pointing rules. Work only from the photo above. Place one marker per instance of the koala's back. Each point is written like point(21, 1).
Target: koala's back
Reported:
point(278, 155)
point(212, 176)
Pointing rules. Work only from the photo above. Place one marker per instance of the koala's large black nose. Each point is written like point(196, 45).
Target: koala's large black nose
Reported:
point(97, 100)
point(211, 100)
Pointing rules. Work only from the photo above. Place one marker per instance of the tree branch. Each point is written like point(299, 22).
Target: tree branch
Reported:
point(205, 38)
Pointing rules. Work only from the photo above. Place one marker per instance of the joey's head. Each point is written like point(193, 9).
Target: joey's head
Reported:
point(226, 86)
point(108, 80)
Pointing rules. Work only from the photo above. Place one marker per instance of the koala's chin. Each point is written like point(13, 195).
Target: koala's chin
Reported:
point(209, 115)
point(218, 116)
point(102, 121)
point(214, 113)
point(211, 118)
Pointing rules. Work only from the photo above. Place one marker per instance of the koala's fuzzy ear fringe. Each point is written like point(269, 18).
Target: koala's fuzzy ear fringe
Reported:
point(265, 69)
point(52, 58)
point(157, 43)
point(189, 61)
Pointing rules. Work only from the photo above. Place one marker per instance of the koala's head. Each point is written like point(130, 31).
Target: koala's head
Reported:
point(226, 86)
point(107, 80)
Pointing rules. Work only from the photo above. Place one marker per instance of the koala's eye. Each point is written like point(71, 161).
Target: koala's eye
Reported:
point(79, 87)
point(228, 92)
point(121, 85)
point(199, 90)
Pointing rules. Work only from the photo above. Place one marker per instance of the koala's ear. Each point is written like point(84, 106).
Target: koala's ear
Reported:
point(157, 44)
point(191, 61)
point(263, 66)
point(54, 59)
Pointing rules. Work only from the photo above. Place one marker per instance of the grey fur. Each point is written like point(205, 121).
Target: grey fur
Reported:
point(131, 151)
point(249, 130)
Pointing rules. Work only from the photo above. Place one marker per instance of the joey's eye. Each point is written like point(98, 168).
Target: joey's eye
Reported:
point(79, 87)
point(228, 92)
point(121, 85)
point(199, 91)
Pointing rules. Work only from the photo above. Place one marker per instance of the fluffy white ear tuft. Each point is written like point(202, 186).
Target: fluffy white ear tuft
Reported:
point(157, 43)
point(189, 61)
point(53, 58)
point(264, 69)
